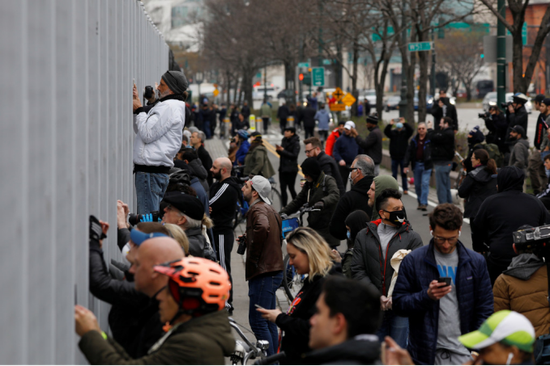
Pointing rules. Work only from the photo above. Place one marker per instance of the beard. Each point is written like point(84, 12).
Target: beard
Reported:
point(217, 176)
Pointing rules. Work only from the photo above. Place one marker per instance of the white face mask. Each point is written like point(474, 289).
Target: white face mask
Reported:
point(349, 178)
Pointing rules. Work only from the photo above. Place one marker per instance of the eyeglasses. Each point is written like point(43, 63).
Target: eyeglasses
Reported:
point(440, 240)
point(308, 151)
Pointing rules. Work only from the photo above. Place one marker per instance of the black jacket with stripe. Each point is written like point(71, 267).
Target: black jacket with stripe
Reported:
point(224, 196)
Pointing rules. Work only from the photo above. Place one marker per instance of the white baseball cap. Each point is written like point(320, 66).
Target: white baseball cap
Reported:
point(349, 125)
point(262, 186)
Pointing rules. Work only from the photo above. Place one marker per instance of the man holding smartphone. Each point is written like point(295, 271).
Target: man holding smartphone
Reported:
point(422, 292)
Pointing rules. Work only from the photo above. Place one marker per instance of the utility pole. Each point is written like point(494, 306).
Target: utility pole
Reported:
point(501, 55)
point(432, 89)
point(403, 102)
point(265, 82)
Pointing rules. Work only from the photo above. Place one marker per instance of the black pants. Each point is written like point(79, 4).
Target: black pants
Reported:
point(266, 124)
point(282, 124)
point(309, 131)
point(287, 180)
point(495, 269)
point(223, 241)
point(344, 173)
point(323, 135)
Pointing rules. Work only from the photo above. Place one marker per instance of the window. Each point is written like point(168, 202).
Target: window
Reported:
point(179, 16)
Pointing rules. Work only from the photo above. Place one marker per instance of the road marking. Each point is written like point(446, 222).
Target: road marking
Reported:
point(431, 203)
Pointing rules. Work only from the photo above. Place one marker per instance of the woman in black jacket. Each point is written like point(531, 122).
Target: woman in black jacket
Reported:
point(310, 255)
point(288, 165)
point(479, 184)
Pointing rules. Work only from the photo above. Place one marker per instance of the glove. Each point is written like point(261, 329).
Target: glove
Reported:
point(319, 205)
point(95, 229)
point(146, 218)
point(284, 216)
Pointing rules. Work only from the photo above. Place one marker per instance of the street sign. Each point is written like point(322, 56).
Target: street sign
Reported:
point(337, 107)
point(421, 46)
point(348, 99)
point(303, 64)
point(318, 76)
point(216, 92)
point(338, 94)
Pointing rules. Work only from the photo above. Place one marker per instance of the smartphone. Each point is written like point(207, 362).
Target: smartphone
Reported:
point(259, 307)
point(396, 120)
point(447, 280)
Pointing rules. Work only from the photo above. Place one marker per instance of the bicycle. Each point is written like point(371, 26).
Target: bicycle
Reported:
point(245, 349)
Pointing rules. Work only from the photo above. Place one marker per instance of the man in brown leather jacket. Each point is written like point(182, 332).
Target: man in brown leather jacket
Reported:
point(264, 258)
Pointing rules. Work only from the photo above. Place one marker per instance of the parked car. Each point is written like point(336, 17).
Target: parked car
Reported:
point(370, 94)
point(483, 87)
point(429, 102)
point(491, 100)
point(392, 103)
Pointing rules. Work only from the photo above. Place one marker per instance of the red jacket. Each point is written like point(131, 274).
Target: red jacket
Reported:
point(330, 141)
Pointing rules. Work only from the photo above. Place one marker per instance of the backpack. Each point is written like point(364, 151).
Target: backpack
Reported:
point(494, 153)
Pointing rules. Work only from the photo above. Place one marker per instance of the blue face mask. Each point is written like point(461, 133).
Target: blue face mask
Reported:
point(399, 125)
point(349, 235)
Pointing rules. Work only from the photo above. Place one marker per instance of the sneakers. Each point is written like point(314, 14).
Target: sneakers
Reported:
point(423, 207)
point(405, 192)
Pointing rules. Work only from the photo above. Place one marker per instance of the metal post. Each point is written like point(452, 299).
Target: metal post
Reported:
point(403, 102)
point(265, 82)
point(501, 55)
point(432, 89)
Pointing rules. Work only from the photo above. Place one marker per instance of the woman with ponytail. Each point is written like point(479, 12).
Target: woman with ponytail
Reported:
point(479, 184)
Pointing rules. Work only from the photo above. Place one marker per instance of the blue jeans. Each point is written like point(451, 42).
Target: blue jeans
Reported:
point(150, 188)
point(443, 182)
point(261, 291)
point(394, 165)
point(396, 327)
point(206, 129)
point(422, 183)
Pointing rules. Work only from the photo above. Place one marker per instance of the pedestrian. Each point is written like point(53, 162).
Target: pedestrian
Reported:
point(372, 144)
point(307, 116)
point(298, 115)
point(321, 192)
point(188, 160)
point(197, 141)
point(323, 118)
point(335, 134)
point(520, 148)
point(535, 168)
point(443, 152)
point(366, 107)
point(360, 177)
point(158, 139)
point(523, 287)
point(310, 255)
point(257, 161)
point(234, 118)
point(264, 258)
point(445, 291)
point(288, 165)
point(544, 196)
point(313, 101)
point(399, 140)
point(313, 149)
point(379, 183)
point(242, 145)
point(502, 214)
point(345, 150)
point(478, 184)
point(443, 108)
point(497, 126)
point(342, 330)
point(419, 155)
point(475, 142)
point(206, 115)
point(225, 193)
point(245, 111)
point(516, 114)
point(355, 222)
point(375, 249)
point(282, 114)
point(191, 301)
point(265, 113)
point(222, 112)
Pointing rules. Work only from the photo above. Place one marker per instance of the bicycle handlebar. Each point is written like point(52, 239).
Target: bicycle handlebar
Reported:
point(271, 359)
point(241, 334)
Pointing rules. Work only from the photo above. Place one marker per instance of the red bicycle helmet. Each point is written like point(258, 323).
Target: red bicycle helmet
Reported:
point(198, 285)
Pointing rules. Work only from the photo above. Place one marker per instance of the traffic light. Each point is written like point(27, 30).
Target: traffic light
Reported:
point(301, 77)
point(482, 55)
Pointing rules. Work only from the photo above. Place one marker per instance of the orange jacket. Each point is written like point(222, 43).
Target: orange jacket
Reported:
point(331, 140)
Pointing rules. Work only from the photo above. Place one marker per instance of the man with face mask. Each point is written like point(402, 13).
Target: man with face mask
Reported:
point(375, 246)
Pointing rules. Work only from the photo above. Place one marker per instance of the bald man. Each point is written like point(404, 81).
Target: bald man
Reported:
point(224, 195)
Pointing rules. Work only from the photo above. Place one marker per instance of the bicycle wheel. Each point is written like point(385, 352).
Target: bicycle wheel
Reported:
point(276, 200)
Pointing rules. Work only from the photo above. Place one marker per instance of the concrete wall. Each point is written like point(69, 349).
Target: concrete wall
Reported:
point(66, 71)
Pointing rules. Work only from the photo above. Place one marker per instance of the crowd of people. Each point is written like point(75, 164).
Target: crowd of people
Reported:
point(392, 297)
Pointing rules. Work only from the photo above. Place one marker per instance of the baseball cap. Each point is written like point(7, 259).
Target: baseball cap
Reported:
point(519, 129)
point(505, 326)
point(546, 102)
point(138, 237)
point(186, 204)
point(349, 125)
point(539, 98)
point(262, 186)
point(256, 135)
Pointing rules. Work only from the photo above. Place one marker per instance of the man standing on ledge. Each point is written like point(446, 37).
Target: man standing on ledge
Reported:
point(158, 139)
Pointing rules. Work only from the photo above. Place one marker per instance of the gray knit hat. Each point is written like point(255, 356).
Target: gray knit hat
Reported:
point(176, 81)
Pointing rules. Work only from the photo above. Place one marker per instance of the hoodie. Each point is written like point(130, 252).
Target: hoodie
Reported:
point(324, 118)
point(476, 187)
point(519, 154)
point(381, 183)
point(363, 349)
point(224, 196)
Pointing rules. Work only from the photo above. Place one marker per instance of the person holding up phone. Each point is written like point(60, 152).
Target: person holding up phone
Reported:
point(445, 291)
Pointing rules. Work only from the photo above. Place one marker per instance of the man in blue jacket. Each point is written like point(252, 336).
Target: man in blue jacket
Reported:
point(345, 150)
point(440, 313)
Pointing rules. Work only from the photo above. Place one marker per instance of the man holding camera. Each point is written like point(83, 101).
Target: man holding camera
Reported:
point(158, 139)
point(496, 124)
point(444, 289)
point(443, 108)
point(516, 114)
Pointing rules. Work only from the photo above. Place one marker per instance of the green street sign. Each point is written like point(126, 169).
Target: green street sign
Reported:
point(420, 46)
point(318, 76)
point(303, 64)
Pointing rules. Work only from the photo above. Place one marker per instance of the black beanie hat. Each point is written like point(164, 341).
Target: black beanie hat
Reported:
point(176, 81)
point(311, 167)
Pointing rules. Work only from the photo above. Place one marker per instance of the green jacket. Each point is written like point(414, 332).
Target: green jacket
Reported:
point(324, 189)
point(204, 340)
point(265, 110)
point(257, 162)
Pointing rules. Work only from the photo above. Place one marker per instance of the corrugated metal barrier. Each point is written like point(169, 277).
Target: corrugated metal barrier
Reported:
point(66, 72)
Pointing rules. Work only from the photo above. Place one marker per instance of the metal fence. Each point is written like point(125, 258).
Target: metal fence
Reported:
point(66, 72)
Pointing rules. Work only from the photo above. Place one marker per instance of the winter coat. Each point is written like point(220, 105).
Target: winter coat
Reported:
point(503, 213)
point(363, 349)
point(329, 167)
point(257, 161)
point(308, 117)
point(475, 188)
point(497, 127)
point(265, 111)
point(346, 149)
point(197, 242)
point(410, 297)
point(520, 154)
point(372, 144)
point(331, 139)
point(540, 131)
point(443, 145)
point(355, 199)
point(289, 156)
point(323, 189)
point(283, 112)
point(437, 112)
point(399, 140)
point(369, 265)
point(197, 169)
point(263, 240)
point(203, 340)
point(224, 196)
point(410, 156)
point(245, 111)
point(159, 132)
point(520, 117)
point(241, 153)
point(324, 119)
point(523, 287)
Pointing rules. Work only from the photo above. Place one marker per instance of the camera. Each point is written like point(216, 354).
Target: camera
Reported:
point(149, 92)
point(242, 245)
point(135, 219)
point(505, 105)
point(531, 235)
point(484, 115)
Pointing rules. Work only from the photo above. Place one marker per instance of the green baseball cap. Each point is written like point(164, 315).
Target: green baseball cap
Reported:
point(505, 326)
